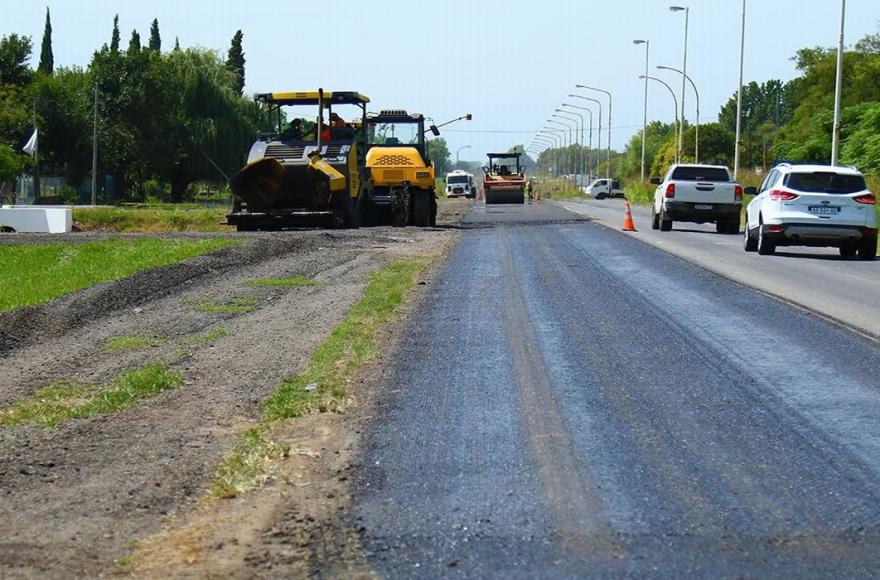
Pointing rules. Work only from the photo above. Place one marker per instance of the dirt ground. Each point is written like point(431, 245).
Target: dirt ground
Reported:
point(76, 500)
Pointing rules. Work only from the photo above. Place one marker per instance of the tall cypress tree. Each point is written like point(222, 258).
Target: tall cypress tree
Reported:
point(134, 44)
point(155, 39)
point(47, 60)
point(114, 40)
point(235, 61)
point(176, 44)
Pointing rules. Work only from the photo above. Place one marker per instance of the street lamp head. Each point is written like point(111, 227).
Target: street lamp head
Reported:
point(639, 41)
point(642, 76)
point(661, 67)
point(677, 8)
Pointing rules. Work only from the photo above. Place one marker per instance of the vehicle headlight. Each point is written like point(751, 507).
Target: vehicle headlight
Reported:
point(422, 174)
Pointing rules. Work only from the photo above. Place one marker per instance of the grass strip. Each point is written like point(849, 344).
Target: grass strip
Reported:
point(65, 400)
point(206, 338)
point(121, 343)
point(152, 220)
point(290, 282)
point(322, 387)
point(34, 273)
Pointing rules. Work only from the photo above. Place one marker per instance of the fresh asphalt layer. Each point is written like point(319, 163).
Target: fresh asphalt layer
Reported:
point(818, 279)
point(572, 402)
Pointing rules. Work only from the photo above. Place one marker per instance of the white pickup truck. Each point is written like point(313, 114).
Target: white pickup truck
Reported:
point(601, 188)
point(697, 193)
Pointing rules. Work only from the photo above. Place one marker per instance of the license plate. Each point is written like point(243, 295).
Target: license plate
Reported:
point(824, 209)
point(702, 206)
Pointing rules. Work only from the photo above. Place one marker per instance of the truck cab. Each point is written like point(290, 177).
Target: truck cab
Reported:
point(460, 183)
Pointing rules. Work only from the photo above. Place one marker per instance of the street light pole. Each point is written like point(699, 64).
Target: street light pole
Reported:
point(687, 12)
point(567, 163)
point(739, 100)
point(560, 135)
point(599, 134)
point(576, 140)
point(838, 86)
point(608, 165)
point(581, 157)
point(674, 100)
point(697, 95)
point(589, 155)
point(647, 44)
point(459, 151)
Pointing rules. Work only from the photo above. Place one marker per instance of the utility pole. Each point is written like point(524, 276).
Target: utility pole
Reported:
point(647, 44)
point(36, 157)
point(838, 86)
point(95, 151)
point(739, 99)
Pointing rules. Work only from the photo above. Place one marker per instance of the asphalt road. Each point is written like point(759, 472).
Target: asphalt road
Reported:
point(572, 402)
point(815, 278)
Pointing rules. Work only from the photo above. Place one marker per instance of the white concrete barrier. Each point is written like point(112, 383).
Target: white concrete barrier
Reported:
point(36, 219)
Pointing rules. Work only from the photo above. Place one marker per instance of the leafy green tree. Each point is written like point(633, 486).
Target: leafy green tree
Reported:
point(15, 53)
point(862, 146)
point(134, 44)
point(11, 163)
point(47, 60)
point(155, 38)
point(235, 60)
point(114, 39)
point(716, 144)
point(64, 109)
point(438, 151)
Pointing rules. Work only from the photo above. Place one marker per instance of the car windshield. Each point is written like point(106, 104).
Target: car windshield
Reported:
point(457, 179)
point(825, 182)
point(700, 174)
point(394, 134)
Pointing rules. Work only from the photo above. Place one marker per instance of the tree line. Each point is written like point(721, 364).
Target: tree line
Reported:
point(165, 119)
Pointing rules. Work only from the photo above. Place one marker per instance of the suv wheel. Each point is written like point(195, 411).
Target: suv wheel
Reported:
point(868, 249)
point(848, 251)
point(750, 244)
point(655, 219)
point(765, 246)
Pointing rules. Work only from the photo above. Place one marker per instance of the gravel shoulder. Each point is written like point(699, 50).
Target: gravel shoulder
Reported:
point(74, 498)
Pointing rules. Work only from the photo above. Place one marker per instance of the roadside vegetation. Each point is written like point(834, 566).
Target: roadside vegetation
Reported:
point(65, 400)
point(138, 342)
point(323, 386)
point(166, 218)
point(34, 273)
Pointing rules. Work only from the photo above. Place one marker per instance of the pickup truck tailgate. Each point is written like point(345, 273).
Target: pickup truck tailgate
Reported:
point(705, 191)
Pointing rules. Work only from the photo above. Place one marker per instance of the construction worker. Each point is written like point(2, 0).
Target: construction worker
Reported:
point(336, 121)
point(529, 189)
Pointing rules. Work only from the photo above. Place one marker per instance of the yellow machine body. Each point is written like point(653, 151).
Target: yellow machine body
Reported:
point(390, 166)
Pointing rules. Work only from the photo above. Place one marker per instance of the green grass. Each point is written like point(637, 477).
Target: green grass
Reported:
point(65, 400)
point(322, 387)
point(206, 338)
point(121, 343)
point(152, 220)
point(283, 282)
point(244, 466)
point(34, 273)
point(237, 305)
point(639, 193)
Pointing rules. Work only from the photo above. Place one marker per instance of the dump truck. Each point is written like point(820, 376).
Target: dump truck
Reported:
point(400, 172)
point(504, 180)
point(304, 172)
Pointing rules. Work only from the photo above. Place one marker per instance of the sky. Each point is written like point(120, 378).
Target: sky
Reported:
point(509, 64)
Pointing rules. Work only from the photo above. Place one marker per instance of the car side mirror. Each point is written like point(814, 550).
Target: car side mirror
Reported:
point(750, 191)
point(435, 130)
point(655, 181)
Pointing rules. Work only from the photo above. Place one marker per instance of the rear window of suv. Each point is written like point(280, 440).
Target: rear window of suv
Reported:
point(825, 182)
point(700, 174)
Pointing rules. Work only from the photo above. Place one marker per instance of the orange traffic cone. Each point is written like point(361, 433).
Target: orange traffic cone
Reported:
point(628, 225)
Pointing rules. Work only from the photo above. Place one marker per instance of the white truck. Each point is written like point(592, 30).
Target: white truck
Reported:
point(460, 183)
point(699, 194)
point(601, 188)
